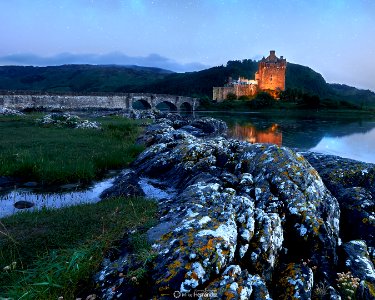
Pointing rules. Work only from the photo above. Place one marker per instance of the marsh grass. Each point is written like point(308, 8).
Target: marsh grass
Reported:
point(52, 253)
point(53, 155)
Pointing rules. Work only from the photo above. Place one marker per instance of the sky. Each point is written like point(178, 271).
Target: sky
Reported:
point(334, 37)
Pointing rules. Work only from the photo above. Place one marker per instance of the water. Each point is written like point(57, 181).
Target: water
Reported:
point(344, 135)
point(151, 188)
point(51, 199)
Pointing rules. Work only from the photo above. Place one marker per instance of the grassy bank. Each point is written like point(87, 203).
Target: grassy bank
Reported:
point(250, 105)
point(52, 155)
point(53, 253)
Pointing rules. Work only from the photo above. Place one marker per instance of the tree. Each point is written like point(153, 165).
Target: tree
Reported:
point(231, 96)
point(263, 99)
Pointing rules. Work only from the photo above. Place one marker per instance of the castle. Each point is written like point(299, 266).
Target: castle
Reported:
point(270, 78)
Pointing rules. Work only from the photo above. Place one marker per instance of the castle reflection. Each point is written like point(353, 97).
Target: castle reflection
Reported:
point(250, 133)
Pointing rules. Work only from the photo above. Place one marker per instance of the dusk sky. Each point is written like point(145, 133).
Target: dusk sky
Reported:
point(334, 37)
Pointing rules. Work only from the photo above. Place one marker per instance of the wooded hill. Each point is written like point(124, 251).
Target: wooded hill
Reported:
point(113, 78)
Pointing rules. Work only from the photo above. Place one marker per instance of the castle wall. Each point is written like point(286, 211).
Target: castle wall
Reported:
point(221, 93)
point(271, 73)
point(271, 76)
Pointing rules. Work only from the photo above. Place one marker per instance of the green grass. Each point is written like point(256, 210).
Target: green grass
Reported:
point(53, 155)
point(53, 253)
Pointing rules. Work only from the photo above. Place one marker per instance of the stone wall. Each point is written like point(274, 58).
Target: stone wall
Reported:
point(124, 101)
point(221, 93)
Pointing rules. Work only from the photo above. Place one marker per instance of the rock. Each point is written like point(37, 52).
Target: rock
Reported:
point(212, 218)
point(210, 125)
point(296, 282)
point(9, 112)
point(23, 204)
point(124, 185)
point(244, 216)
point(358, 214)
point(193, 130)
point(353, 184)
point(358, 262)
point(237, 284)
point(141, 114)
point(67, 120)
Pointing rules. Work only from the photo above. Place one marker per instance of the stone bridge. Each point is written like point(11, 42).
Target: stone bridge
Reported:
point(121, 101)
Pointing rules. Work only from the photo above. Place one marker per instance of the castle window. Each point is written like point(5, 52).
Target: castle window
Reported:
point(271, 78)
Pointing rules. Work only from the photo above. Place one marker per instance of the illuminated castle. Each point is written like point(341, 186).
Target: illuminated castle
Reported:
point(270, 78)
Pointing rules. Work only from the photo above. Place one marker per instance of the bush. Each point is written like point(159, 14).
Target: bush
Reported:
point(244, 97)
point(262, 100)
point(231, 96)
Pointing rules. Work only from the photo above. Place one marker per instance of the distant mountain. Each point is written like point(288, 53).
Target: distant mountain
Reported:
point(114, 78)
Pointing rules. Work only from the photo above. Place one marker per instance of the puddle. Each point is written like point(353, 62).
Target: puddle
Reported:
point(152, 191)
point(50, 199)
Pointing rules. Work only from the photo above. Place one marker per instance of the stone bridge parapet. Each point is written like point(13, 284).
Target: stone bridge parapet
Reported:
point(121, 101)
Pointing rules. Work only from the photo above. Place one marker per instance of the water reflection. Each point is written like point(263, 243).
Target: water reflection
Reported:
point(345, 135)
point(359, 146)
point(250, 133)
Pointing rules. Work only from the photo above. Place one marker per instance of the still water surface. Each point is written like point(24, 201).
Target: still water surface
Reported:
point(344, 135)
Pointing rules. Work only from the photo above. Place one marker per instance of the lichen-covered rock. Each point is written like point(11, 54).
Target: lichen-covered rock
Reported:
point(353, 184)
point(67, 120)
point(358, 214)
point(241, 213)
point(358, 262)
point(237, 284)
point(296, 282)
point(125, 185)
point(141, 114)
point(210, 125)
point(9, 112)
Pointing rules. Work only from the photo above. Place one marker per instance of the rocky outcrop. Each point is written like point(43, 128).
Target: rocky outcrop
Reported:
point(353, 184)
point(245, 221)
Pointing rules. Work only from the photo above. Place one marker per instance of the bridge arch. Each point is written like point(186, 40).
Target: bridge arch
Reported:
point(141, 104)
point(186, 106)
point(166, 105)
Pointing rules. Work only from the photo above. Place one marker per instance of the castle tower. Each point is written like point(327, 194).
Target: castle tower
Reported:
point(271, 73)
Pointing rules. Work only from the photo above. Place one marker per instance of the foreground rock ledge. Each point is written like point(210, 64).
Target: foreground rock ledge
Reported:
point(249, 221)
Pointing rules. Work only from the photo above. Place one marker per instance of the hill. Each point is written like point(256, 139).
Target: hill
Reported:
point(77, 78)
point(112, 78)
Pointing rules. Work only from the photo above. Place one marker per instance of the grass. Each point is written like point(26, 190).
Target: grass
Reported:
point(53, 253)
point(53, 155)
point(246, 106)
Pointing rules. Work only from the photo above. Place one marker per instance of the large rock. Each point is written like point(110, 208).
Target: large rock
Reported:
point(244, 217)
point(353, 184)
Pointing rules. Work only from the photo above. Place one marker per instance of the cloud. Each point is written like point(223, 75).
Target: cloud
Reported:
point(118, 58)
